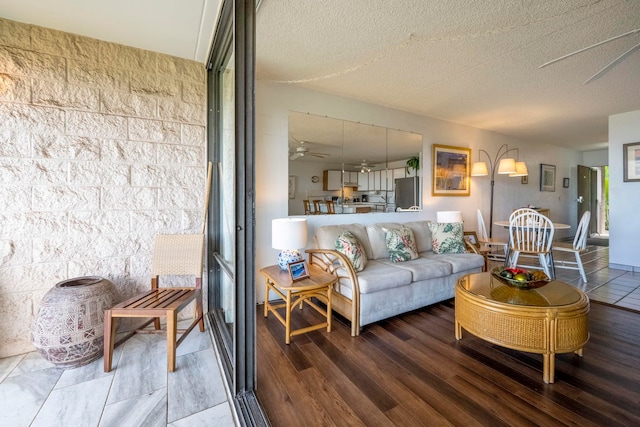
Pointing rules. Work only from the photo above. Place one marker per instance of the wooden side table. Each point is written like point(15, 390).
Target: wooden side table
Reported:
point(319, 284)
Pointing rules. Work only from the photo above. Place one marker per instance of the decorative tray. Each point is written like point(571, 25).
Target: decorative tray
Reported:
point(520, 278)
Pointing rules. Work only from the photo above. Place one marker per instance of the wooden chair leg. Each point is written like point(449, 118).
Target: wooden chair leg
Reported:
point(156, 323)
point(172, 326)
point(109, 339)
point(199, 313)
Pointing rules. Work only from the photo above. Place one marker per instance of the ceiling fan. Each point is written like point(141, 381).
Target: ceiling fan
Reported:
point(610, 64)
point(303, 151)
point(364, 167)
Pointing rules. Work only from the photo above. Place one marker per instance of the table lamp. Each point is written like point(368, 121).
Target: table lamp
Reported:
point(444, 217)
point(288, 235)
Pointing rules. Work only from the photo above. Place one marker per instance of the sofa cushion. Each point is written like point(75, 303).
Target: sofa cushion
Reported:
point(458, 262)
point(326, 236)
point(422, 234)
point(401, 244)
point(447, 238)
point(379, 276)
point(350, 246)
point(378, 238)
point(423, 269)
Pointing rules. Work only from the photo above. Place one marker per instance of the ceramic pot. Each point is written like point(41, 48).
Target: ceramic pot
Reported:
point(68, 328)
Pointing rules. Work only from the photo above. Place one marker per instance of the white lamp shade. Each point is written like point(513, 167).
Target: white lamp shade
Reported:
point(479, 169)
point(289, 233)
point(449, 216)
point(507, 166)
point(521, 169)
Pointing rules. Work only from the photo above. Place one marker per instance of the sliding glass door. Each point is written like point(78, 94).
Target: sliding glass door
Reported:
point(231, 235)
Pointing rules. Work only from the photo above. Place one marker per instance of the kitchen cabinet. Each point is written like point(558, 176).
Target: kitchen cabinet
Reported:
point(390, 179)
point(331, 180)
point(371, 181)
point(351, 178)
point(363, 181)
point(383, 180)
point(397, 173)
point(376, 180)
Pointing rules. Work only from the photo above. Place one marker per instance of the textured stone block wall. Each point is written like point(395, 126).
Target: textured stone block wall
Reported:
point(101, 147)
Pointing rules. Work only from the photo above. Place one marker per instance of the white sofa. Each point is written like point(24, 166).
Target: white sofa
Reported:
point(385, 289)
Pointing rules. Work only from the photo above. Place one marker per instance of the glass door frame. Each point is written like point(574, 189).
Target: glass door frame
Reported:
point(235, 30)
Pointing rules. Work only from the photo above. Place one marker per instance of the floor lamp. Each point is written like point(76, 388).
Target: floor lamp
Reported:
point(506, 166)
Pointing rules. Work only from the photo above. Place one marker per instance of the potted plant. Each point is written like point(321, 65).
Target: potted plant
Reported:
point(413, 163)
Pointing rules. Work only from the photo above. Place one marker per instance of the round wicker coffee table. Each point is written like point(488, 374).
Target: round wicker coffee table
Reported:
point(548, 320)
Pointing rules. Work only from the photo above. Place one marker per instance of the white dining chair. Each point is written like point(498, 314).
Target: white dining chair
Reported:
point(490, 242)
point(531, 234)
point(579, 245)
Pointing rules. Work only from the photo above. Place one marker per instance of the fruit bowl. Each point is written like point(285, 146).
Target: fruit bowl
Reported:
point(520, 278)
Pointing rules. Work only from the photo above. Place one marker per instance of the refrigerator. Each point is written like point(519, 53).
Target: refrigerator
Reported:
point(407, 192)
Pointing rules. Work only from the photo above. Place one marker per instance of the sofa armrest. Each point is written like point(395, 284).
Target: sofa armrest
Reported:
point(339, 265)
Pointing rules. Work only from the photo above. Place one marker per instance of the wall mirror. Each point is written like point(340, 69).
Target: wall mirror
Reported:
point(340, 166)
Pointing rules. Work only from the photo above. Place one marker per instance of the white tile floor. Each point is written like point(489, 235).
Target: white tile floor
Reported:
point(33, 392)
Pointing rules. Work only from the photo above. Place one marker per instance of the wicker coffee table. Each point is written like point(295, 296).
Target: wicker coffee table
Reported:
point(548, 320)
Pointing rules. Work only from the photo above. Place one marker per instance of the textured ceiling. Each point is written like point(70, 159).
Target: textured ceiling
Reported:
point(180, 28)
point(475, 63)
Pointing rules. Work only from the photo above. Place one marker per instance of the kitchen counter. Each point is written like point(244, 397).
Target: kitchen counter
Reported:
point(361, 207)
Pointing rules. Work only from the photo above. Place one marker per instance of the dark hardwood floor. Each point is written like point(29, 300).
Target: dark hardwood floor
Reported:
point(410, 371)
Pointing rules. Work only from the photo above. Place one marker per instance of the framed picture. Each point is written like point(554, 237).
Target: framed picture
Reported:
point(451, 169)
point(292, 187)
point(298, 270)
point(472, 238)
point(524, 179)
point(565, 182)
point(631, 154)
point(547, 177)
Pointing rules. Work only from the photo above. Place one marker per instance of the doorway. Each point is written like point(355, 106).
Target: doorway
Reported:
point(593, 196)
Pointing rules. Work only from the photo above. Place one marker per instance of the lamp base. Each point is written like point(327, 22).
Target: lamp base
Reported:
point(288, 256)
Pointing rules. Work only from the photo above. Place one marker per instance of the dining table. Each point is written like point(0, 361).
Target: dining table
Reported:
point(556, 225)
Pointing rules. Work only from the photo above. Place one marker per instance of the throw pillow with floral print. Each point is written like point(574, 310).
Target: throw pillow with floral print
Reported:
point(447, 238)
point(401, 244)
point(350, 246)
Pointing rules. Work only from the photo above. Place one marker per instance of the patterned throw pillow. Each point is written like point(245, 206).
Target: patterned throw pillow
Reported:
point(350, 246)
point(447, 238)
point(401, 244)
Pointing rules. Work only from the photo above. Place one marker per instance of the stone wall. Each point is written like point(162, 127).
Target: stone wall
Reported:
point(101, 147)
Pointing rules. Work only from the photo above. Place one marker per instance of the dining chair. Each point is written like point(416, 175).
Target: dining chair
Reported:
point(490, 242)
point(579, 245)
point(173, 255)
point(331, 208)
point(317, 206)
point(307, 207)
point(531, 234)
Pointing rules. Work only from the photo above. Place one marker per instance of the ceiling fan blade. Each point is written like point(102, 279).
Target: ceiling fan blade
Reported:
point(321, 155)
point(296, 156)
point(612, 63)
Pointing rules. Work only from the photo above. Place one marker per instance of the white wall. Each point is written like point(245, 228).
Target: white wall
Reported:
point(624, 203)
point(273, 103)
point(595, 158)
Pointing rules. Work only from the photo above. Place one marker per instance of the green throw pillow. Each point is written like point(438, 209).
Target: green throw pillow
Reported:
point(350, 246)
point(447, 238)
point(401, 244)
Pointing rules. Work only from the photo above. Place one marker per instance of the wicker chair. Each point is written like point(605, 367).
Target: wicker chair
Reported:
point(175, 255)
